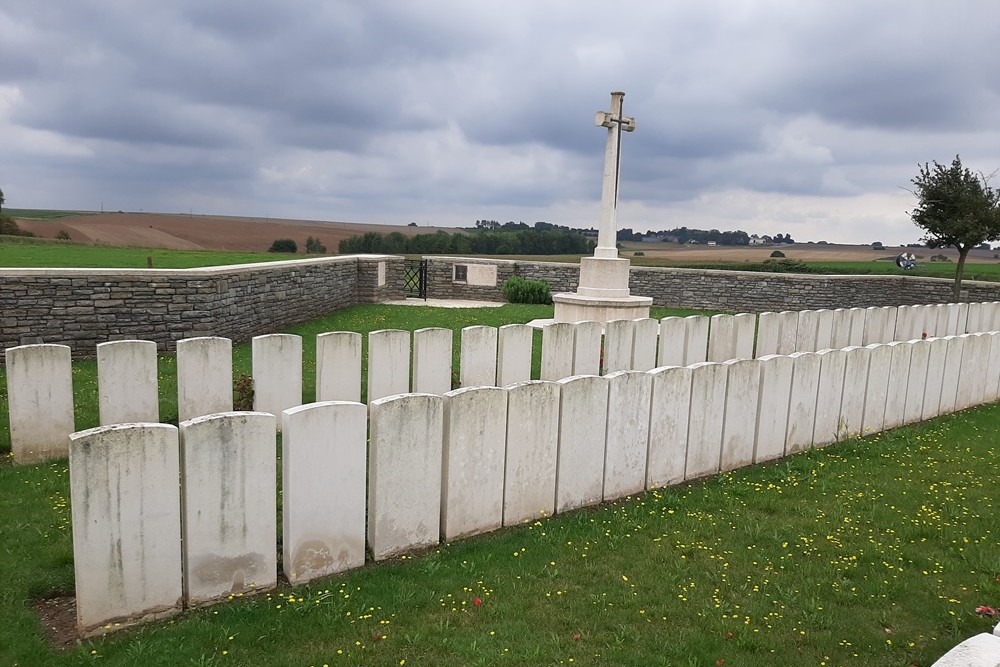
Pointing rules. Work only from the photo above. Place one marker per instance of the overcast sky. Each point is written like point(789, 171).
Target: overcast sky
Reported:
point(797, 116)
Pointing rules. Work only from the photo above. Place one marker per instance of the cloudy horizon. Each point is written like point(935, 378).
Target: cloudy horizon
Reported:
point(767, 116)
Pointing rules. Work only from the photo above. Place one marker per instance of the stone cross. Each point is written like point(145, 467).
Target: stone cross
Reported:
point(616, 123)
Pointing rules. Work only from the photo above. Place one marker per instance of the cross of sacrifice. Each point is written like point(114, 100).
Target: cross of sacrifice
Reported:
point(616, 123)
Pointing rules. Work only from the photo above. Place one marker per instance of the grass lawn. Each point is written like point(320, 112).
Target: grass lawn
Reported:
point(869, 552)
point(26, 252)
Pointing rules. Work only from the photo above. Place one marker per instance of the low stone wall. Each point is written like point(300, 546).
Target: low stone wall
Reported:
point(735, 291)
point(83, 307)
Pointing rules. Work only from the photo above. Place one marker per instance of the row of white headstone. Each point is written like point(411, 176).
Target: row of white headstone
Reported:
point(39, 377)
point(467, 462)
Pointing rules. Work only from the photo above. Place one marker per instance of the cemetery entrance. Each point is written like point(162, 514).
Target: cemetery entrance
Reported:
point(415, 278)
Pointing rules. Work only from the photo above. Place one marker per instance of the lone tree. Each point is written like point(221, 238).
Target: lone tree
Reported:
point(955, 208)
point(1, 200)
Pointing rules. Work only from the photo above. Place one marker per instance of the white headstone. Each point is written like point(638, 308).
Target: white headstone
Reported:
point(668, 426)
point(824, 330)
point(618, 338)
point(916, 381)
point(277, 372)
point(889, 328)
point(204, 376)
point(475, 436)
point(788, 331)
point(514, 343)
point(975, 360)
point(899, 379)
point(40, 401)
point(644, 344)
point(877, 388)
point(992, 391)
point(338, 366)
point(942, 322)
point(478, 364)
point(629, 395)
point(229, 501)
point(973, 320)
point(875, 320)
point(323, 489)
point(935, 378)
point(852, 406)
point(126, 524)
point(557, 351)
point(907, 323)
point(808, 329)
point(404, 473)
point(672, 339)
point(841, 336)
point(583, 422)
point(708, 401)
point(432, 360)
point(857, 320)
point(127, 382)
point(772, 419)
point(388, 363)
point(722, 338)
point(829, 396)
point(696, 339)
point(532, 444)
point(744, 330)
point(768, 332)
point(952, 375)
point(802, 402)
point(588, 337)
point(962, 318)
point(740, 427)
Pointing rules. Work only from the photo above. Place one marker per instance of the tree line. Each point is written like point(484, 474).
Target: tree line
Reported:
point(519, 241)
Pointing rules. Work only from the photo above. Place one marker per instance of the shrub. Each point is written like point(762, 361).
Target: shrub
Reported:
point(63, 235)
point(283, 245)
point(777, 253)
point(638, 253)
point(243, 393)
point(8, 227)
point(519, 290)
point(314, 246)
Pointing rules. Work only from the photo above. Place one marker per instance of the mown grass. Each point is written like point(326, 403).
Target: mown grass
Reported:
point(868, 552)
point(20, 252)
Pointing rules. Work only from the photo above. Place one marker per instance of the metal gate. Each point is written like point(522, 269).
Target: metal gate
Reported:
point(415, 278)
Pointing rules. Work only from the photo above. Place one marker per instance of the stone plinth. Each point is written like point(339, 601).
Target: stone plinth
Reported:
point(603, 294)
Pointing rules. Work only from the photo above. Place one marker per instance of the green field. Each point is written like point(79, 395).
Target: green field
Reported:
point(41, 214)
point(20, 252)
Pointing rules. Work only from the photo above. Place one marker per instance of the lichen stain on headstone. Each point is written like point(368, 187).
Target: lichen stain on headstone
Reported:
point(237, 572)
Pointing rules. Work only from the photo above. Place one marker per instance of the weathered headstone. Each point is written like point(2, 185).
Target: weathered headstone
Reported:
point(127, 382)
point(204, 376)
point(644, 344)
point(668, 426)
point(992, 391)
point(708, 394)
point(388, 363)
point(935, 378)
point(618, 338)
point(722, 338)
point(432, 360)
point(404, 473)
point(802, 402)
point(532, 444)
point(952, 374)
point(899, 378)
point(514, 342)
point(740, 427)
point(857, 324)
point(277, 372)
point(323, 489)
point(229, 501)
point(829, 396)
point(772, 420)
point(126, 524)
point(824, 330)
point(583, 422)
point(852, 406)
point(475, 436)
point(975, 360)
point(588, 337)
point(808, 328)
point(478, 364)
point(788, 331)
point(557, 351)
point(916, 381)
point(672, 339)
point(841, 336)
point(768, 332)
point(696, 339)
point(877, 388)
point(40, 401)
point(338, 366)
point(744, 331)
point(625, 454)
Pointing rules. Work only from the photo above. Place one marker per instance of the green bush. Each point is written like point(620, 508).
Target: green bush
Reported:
point(777, 253)
point(8, 227)
point(519, 290)
point(283, 245)
point(314, 246)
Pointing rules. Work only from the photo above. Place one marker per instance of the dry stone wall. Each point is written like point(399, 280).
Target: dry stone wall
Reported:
point(737, 291)
point(83, 307)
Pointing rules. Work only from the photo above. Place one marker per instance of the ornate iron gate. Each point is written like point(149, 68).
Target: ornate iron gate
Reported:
point(415, 278)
